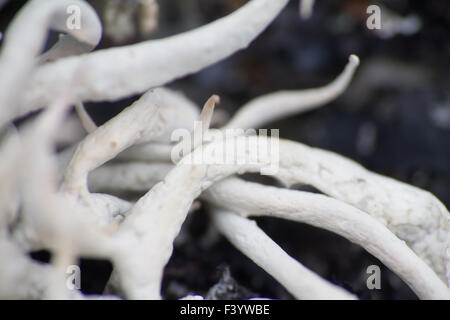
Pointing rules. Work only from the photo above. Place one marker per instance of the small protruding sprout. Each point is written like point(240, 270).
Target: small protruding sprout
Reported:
point(208, 110)
point(200, 128)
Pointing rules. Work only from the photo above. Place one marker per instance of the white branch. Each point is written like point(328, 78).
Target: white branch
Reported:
point(277, 105)
point(157, 211)
point(158, 152)
point(153, 63)
point(146, 119)
point(255, 244)
point(24, 40)
point(131, 176)
point(252, 199)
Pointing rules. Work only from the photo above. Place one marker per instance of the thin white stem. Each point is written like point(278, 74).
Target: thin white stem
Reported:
point(245, 235)
point(280, 104)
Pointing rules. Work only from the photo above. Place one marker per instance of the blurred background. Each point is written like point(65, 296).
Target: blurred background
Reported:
point(394, 119)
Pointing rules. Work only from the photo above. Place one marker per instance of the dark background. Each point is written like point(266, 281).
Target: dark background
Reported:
point(394, 119)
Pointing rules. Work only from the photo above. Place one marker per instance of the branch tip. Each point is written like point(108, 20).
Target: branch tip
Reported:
point(353, 60)
point(208, 110)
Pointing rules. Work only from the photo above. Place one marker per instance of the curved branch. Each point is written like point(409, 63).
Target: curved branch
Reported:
point(280, 104)
point(152, 63)
point(145, 120)
point(252, 199)
point(24, 41)
point(245, 235)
